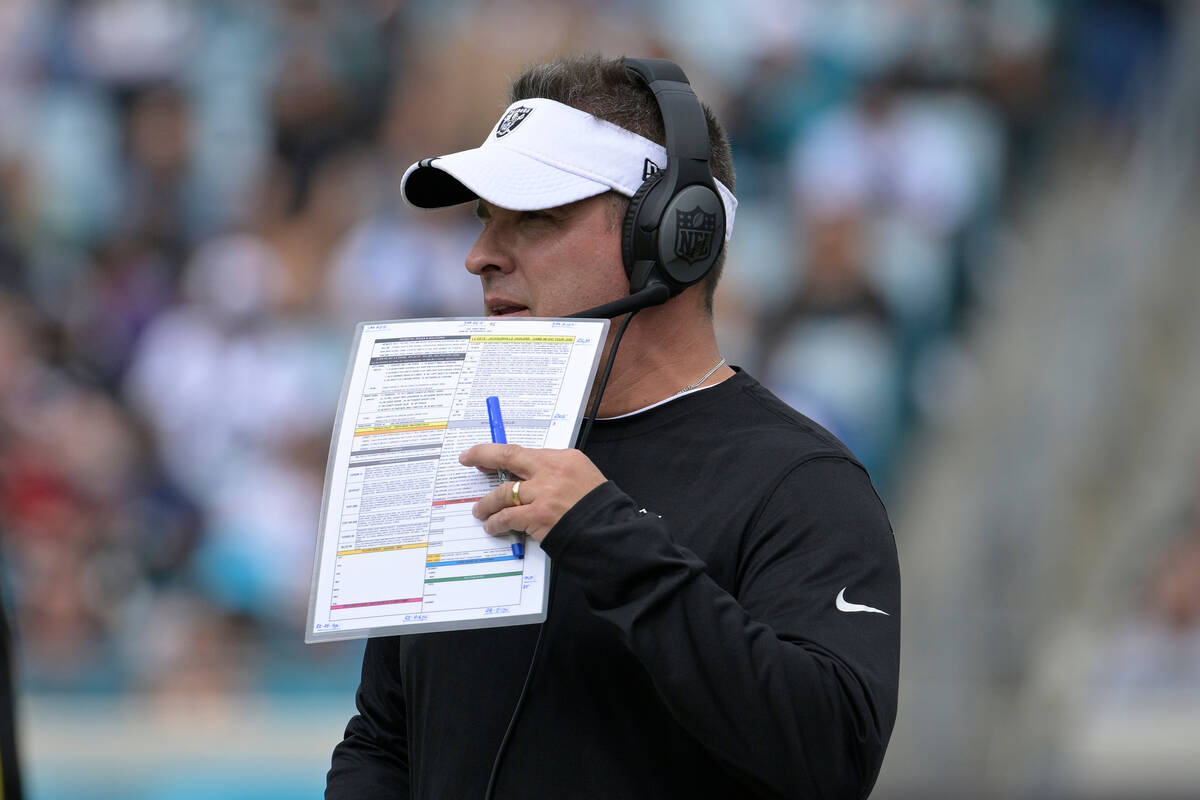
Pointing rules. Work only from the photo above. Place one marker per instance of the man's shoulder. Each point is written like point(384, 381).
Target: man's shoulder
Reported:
point(765, 421)
point(736, 422)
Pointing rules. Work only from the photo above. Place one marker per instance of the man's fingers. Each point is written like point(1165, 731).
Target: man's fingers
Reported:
point(503, 521)
point(552, 481)
point(512, 457)
point(495, 500)
point(499, 515)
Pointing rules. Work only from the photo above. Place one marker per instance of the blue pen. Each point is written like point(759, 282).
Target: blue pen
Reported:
point(496, 421)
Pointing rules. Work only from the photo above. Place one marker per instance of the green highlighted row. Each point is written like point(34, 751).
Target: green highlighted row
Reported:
point(475, 577)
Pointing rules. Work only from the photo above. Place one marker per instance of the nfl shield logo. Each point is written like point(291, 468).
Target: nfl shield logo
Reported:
point(694, 234)
point(512, 119)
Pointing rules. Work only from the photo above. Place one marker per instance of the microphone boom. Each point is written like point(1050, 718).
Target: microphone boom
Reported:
point(653, 295)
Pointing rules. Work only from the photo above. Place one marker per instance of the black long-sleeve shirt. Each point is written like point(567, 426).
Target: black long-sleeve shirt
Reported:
point(724, 622)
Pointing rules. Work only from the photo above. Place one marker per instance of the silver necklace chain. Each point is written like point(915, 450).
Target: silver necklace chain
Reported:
point(703, 378)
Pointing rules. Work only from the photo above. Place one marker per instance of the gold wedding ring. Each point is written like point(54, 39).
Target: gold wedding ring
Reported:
point(516, 493)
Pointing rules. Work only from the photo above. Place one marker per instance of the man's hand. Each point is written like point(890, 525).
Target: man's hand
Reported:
point(551, 482)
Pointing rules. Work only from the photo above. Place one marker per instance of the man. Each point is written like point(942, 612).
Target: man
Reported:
point(724, 620)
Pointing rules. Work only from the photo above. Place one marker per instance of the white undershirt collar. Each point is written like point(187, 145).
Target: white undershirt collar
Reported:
point(662, 402)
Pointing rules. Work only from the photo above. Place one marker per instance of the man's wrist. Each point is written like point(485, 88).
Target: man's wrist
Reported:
point(592, 506)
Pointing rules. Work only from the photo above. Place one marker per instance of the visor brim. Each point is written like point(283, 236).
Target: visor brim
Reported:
point(503, 177)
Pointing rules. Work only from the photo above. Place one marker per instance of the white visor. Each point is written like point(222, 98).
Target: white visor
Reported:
point(543, 154)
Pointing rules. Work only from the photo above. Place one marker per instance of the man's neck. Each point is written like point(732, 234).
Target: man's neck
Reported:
point(665, 350)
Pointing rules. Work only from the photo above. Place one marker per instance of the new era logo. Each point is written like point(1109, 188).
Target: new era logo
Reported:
point(650, 168)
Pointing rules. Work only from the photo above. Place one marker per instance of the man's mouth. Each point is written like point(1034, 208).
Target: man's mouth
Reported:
point(506, 309)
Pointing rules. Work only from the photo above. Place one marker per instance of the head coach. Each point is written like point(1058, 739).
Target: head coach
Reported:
point(724, 619)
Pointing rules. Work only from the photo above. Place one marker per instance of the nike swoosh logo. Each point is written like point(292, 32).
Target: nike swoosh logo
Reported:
point(842, 605)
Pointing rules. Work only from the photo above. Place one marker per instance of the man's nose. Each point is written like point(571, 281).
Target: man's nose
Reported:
point(489, 253)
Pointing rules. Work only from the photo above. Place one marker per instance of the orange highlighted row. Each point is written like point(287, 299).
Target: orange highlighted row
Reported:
point(407, 427)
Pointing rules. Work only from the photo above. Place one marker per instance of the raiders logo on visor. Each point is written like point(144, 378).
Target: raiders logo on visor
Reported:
point(512, 119)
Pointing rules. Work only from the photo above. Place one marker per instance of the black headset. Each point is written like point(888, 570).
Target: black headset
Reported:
point(674, 230)
point(675, 226)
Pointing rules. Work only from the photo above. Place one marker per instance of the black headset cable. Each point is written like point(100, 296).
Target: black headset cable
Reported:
point(537, 646)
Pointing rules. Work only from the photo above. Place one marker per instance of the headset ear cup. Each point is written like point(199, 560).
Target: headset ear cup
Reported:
point(690, 236)
point(633, 238)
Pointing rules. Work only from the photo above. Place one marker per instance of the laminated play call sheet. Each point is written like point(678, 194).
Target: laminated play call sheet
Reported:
point(398, 550)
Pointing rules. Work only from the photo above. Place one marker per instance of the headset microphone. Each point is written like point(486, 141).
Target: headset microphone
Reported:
point(656, 293)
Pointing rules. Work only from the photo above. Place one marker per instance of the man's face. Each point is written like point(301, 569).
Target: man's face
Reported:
point(549, 263)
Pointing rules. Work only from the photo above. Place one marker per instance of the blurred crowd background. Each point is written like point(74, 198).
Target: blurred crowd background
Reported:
point(966, 244)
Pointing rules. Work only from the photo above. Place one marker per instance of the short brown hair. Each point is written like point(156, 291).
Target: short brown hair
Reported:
point(604, 88)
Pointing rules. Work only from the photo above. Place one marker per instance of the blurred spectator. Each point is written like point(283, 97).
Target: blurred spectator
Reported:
point(786, 89)
point(1118, 49)
point(1017, 40)
point(123, 286)
point(88, 520)
point(393, 263)
point(1160, 648)
point(251, 452)
point(129, 42)
point(911, 167)
point(157, 193)
point(329, 85)
point(831, 352)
